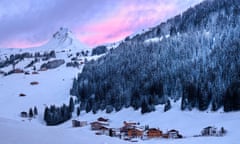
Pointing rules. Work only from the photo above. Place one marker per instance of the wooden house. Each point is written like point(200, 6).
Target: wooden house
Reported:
point(134, 133)
point(209, 131)
point(98, 125)
point(173, 134)
point(76, 123)
point(127, 126)
point(154, 133)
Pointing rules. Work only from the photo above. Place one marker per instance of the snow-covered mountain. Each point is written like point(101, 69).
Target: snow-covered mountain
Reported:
point(64, 39)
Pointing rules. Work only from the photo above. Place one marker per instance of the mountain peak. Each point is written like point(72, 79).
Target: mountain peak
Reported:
point(64, 39)
point(62, 33)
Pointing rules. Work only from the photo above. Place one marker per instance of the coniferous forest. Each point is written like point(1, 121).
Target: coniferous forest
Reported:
point(196, 60)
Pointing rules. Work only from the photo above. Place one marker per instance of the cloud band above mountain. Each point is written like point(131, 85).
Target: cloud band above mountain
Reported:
point(31, 22)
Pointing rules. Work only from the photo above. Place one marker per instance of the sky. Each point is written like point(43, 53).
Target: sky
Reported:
point(29, 23)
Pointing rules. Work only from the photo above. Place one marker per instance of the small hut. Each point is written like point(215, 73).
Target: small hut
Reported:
point(24, 114)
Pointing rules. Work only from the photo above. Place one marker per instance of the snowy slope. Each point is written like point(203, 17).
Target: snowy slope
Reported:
point(54, 84)
point(14, 132)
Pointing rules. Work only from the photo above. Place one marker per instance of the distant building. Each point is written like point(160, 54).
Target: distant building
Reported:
point(76, 123)
point(209, 131)
point(134, 133)
point(213, 131)
point(98, 125)
point(173, 134)
point(24, 114)
point(154, 133)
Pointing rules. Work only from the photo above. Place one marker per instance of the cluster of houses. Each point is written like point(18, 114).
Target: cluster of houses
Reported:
point(128, 131)
point(132, 130)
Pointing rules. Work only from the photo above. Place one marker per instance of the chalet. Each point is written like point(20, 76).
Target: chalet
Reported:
point(124, 130)
point(98, 125)
point(154, 133)
point(134, 133)
point(127, 126)
point(76, 123)
point(209, 131)
point(173, 134)
point(24, 114)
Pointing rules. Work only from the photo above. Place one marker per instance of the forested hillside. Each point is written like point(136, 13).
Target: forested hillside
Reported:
point(196, 59)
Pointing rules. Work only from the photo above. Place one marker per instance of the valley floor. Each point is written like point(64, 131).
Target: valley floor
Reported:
point(188, 124)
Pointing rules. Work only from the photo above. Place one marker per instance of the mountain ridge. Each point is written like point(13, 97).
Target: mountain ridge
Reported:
point(61, 40)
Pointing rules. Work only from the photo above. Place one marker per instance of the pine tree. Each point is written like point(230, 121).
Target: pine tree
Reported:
point(30, 113)
point(78, 111)
point(46, 111)
point(71, 105)
point(145, 107)
point(89, 106)
point(35, 111)
point(167, 106)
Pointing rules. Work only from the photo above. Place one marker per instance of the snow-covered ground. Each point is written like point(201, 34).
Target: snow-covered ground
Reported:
point(188, 123)
point(54, 88)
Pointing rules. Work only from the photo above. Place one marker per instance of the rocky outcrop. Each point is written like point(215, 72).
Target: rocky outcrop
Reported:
point(52, 64)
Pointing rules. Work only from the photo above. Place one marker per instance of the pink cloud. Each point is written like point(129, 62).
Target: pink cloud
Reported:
point(123, 22)
point(104, 22)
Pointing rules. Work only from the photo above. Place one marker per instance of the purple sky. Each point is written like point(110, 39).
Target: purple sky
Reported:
point(26, 23)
